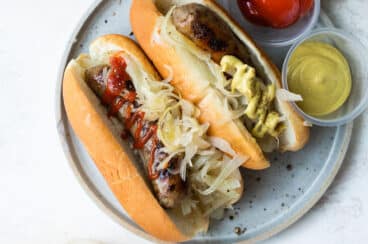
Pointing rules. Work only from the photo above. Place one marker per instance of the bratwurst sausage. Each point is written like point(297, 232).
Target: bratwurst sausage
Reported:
point(168, 187)
point(208, 31)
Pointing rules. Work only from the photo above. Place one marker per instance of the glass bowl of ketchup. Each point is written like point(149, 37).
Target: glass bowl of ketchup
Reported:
point(276, 22)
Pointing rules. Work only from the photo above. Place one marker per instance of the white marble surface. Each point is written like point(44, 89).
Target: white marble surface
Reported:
point(41, 201)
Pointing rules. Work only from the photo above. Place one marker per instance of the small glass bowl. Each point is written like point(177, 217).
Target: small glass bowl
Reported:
point(356, 55)
point(267, 36)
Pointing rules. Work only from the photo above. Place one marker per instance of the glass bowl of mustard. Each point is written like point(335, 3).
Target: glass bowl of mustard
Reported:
point(329, 70)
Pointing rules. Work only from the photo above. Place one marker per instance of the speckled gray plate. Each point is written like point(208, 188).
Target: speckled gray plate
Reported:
point(273, 199)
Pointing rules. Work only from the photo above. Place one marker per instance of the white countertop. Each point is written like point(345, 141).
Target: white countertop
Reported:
point(42, 202)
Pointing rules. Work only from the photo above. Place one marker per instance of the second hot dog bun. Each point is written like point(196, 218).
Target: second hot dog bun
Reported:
point(114, 159)
point(190, 78)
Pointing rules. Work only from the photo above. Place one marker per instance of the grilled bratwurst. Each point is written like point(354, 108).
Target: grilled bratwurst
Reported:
point(168, 187)
point(208, 31)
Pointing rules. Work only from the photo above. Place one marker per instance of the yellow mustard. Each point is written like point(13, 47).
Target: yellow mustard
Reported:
point(321, 75)
point(259, 96)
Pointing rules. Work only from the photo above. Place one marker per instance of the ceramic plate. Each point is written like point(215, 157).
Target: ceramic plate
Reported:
point(273, 199)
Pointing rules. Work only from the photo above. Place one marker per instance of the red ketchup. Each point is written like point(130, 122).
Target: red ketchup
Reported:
point(116, 85)
point(275, 13)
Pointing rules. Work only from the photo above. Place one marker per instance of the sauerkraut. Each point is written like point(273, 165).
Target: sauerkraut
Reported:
point(234, 101)
point(209, 166)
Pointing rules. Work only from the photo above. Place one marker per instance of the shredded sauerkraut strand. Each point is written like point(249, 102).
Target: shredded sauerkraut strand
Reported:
point(307, 124)
point(209, 165)
point(155, 96)
point(181, 132)
point(287, 96)
point(230, 167)
point(171, 74)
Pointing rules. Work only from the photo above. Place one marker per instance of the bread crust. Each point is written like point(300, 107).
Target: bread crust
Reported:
point(144, 17)
point(120, 172)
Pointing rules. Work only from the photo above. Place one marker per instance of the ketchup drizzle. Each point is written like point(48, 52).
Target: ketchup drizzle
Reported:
point(142, 141)
point(115, 106)
point(116, 85)
point(151, 160)
point(115, 80)
point(132, 118)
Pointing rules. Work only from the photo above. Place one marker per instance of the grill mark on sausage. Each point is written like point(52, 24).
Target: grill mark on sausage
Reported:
point(167, 195)
point(208, 31)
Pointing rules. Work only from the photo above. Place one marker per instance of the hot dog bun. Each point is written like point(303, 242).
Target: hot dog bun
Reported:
point(120, 169)
point(190, 80)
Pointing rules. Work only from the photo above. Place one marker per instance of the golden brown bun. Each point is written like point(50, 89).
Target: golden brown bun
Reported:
point(121, 170)
point(89, 122)
point(145, 15)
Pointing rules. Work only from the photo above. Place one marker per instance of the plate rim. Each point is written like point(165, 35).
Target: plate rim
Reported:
point(62, 125)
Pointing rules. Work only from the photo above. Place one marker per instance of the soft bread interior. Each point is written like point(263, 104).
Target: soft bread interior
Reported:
point(297, 134)
point(213, 109)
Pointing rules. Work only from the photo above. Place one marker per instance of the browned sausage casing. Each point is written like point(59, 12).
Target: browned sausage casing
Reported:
point(208, 31)
point(168, 187)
